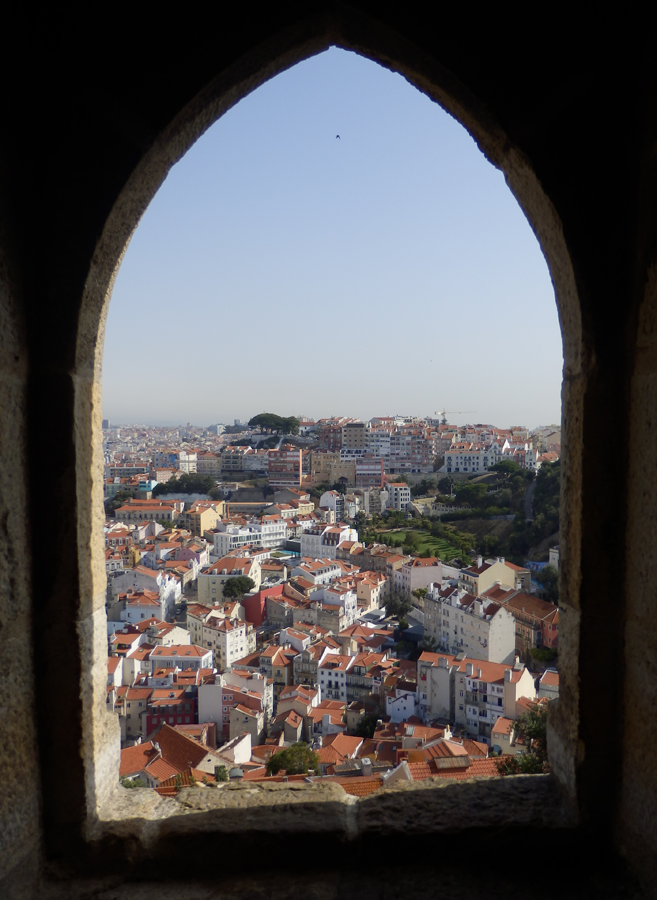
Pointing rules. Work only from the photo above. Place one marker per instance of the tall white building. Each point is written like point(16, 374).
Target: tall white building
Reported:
point(232, 537)
point(322, 541)
point(466, 456)
point(471, 693)
point(399, 495)
point(461, 623)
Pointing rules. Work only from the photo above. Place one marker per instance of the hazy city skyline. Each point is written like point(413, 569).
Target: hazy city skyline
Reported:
point(280, 269)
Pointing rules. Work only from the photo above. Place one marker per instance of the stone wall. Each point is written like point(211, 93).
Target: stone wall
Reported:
point(92, 123)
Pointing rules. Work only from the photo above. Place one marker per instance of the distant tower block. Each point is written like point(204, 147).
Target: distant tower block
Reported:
point(106, 424)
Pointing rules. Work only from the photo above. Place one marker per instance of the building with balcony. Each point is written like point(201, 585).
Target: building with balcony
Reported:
point(462, 623)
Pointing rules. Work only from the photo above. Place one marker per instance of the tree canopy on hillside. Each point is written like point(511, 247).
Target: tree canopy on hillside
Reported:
point(186, 484)
point(272, 422)
point(506, 467)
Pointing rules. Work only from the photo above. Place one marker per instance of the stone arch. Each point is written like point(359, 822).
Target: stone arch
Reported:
point(547, 94)
point(362, 35)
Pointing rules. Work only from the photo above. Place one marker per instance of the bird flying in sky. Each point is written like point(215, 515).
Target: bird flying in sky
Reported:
point(338, 138)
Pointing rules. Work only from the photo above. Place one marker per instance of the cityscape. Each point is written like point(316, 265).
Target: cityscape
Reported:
point(360, 602)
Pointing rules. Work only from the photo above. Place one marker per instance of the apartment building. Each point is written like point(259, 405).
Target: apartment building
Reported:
point(208, 463)
point(471, 693)
point(306, 663)
point(334, 501)
point(363, 676)
point(329, 432)
point(355, 436)
point(228, 538)
point(285, 467)
point(203, 515)
point(466, 456)
point(216, 700)
point(212, 579)
point(370, 472)
point(536, 621)
point(484, 574)
point(186, 462)
point(332, 676)
point(418, 573)
point(273, 531)
point(322, 541)
point(149, 511)
point(229, 639)
point(379, 445)
point(399, 495)
point(232, 459)
point(247, 717)
point(460, 622)
point(328, 467)
point(255, 461)
point(183, 656)
point(411, 451)
point(318, 571)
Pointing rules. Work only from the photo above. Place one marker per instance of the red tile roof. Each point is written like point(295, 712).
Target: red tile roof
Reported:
point(360, 786)
point(135, 759)
point(480, 768)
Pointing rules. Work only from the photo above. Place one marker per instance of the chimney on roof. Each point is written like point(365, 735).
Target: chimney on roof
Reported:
point(507, 674)
point(501, 559)
point(478, 673)
point(480, 562)
point(442, 662)
point(366, 767)
point(469, 669)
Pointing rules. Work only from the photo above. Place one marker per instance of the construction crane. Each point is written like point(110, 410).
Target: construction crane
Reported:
point(452, 412)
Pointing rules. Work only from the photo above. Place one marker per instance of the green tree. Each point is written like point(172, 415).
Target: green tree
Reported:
point(220, 773)
point(411, 542)
point(366, 726)
point(272, 422)
point(187, 483)
point(133, 782)
point(532, 726)
point(397, 603)
point(505, 467)
point(429, 643)
point(445, 484)
point(422, 488)
point(117, 500)
point(548, 578)
point(296, 759)
point(360, 521)
point(238, 586)
point(471, 494)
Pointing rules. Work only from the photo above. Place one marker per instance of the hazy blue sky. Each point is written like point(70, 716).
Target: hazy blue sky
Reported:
point(280, 269)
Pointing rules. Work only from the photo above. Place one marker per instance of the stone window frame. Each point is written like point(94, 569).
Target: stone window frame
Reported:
point(114, 821)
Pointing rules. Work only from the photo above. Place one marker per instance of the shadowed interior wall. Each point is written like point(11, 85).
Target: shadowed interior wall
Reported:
point(109, 106)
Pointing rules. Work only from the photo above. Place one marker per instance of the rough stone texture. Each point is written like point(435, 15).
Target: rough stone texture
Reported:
point(77, 170)
point(19, 799)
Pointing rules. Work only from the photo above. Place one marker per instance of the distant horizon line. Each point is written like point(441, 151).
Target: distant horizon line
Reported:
point(173, 424)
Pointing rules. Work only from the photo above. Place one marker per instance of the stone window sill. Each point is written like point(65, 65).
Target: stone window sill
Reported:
point(436, 806)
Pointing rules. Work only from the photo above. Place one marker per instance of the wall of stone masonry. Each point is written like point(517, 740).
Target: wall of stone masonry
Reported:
point(92, 123)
